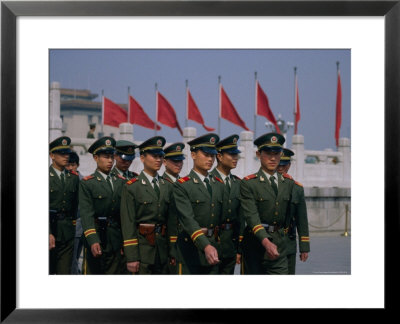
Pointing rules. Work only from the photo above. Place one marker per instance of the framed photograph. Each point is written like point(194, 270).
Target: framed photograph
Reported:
point(370, 29)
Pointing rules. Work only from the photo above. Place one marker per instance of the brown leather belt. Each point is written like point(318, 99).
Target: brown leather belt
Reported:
point(271, 228)
point(227, 226)
point(210, 231)
point(149, 231)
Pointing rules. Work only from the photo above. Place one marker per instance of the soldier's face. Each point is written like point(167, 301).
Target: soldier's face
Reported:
point(104, 162)
point(151, 162)
point(228, 160)
point(122, 164)
point(59, 160)
point(203, 161)
point(173, 167)
point(269, 160)
point(284, 168)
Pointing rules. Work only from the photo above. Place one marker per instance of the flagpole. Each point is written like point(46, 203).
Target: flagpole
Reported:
point(337, 86)
point(187, 104)
point(129, 110)
point(255, 105)
point(295, 99)
point(155, 124)
point(102, 111)
point(219, 115)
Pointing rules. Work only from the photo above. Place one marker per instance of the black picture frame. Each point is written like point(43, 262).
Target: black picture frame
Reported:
point(10, 10)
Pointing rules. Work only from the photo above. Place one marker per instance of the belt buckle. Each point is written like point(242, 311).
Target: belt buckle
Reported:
point(157, 229)
point(271, 228)
point(210, 232)
point(228, 226)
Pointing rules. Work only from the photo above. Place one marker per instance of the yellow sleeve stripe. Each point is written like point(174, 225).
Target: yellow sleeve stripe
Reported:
point(74, 222)
point(131, 242)
point(304, 239)
point(257, 228)
point(196, 234)
point(90, 232)
point(240, 238)
point(173, 239)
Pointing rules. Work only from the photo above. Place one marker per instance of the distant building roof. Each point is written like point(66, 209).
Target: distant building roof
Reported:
point(67, 94)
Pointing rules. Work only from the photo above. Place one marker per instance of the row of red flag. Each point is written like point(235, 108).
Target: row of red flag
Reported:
point(113, 114)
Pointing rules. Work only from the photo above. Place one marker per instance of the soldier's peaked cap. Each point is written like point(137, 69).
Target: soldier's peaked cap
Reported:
point(60, 145)
point(153, 145)
point(270, 142)
point(104, 145)
point(125, 149)
point(206, 143)
point(228, 145)
point(175, 152)
point(286, 156)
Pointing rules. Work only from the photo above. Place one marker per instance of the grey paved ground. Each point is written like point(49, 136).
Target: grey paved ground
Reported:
point(330, 255)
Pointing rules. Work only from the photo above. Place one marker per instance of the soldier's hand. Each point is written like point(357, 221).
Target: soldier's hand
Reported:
point(211, 254)
point(52, 242)
point(172, 261)
point(238, 258)
point(133, 266)
point(304, 256)
point(270, 248)
point(96, 250)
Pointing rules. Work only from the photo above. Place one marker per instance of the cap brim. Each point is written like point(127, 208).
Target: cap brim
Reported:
point(63, 151)
point(156, 151)
point(176, 158)
point(106, 151)
point(127, 157)
point(208, 150)
point(272, 148)
point(284, 162)
point(232, 151)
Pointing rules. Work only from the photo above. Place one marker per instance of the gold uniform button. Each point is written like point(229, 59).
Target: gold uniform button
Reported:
point(261, 199)
point(274, 223)
point(211, 225)
point(277, 203)
point(145, 202)
point(197, 201)
point(186, 239)
point(276, 213)
point(229, 200)
point(229, 210)
point(212, 205)
point(212, 215)
point(99, 197)
point(65, 194)
point(227, 220)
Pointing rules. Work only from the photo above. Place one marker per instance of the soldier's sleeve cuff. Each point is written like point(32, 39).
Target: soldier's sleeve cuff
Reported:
point(200, 240)
point(131, 250)
point(91, 236)
point(260, 232)
point(304, 246)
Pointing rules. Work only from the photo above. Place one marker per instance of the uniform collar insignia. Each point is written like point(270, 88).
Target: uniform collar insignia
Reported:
point(261, 178)
point(195, 180)
point(51, 174)
point(143, 182)
point(213, 180)
point(98, 178)
point(162, 181)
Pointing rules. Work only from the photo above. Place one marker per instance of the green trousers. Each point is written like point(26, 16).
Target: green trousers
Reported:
point(60, 258)
point(227, 265)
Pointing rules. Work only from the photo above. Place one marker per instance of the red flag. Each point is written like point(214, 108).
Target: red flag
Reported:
point(338, 109)
point(166, 113)
point(138, 115)
point(296, 108)
point(263, 108)
point(228, 111)
point(193, 113)
point(113, 115)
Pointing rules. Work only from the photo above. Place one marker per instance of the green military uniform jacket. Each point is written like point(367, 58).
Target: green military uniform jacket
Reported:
point(195, 210)
point(173, 223)
point(231, 208)
point(140, 204)
point(131, 174)
point(299, 221)
point(64, 201)
point(96, 199)
point(260, 206)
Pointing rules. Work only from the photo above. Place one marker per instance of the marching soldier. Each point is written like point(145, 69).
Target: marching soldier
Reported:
point(265, 200)
point(298, 219)
point(145, 213)
point(198, 200)
point(173, 162)
point(124, 155)
point(99, 203)
point(227, 158)
point(63, 205)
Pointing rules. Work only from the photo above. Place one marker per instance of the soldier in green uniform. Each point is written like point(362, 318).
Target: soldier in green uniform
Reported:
point(64, 186)
point(124, 155)
point(265, 200)
point(298, 219)
point(90, 133)
point(99, 203)
point(198, 199)
point(146, 212)
point(227, 158)
point(173, 162)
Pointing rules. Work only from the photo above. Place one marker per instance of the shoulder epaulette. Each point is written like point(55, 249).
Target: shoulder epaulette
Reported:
point(75, 173)
point(131, 181)
point(184, 179)
point(218, 179)
point(121, 177)
point(298, 183)
point(251, 176)
point(287, 175)
point(236, 177)
point(88, 177)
